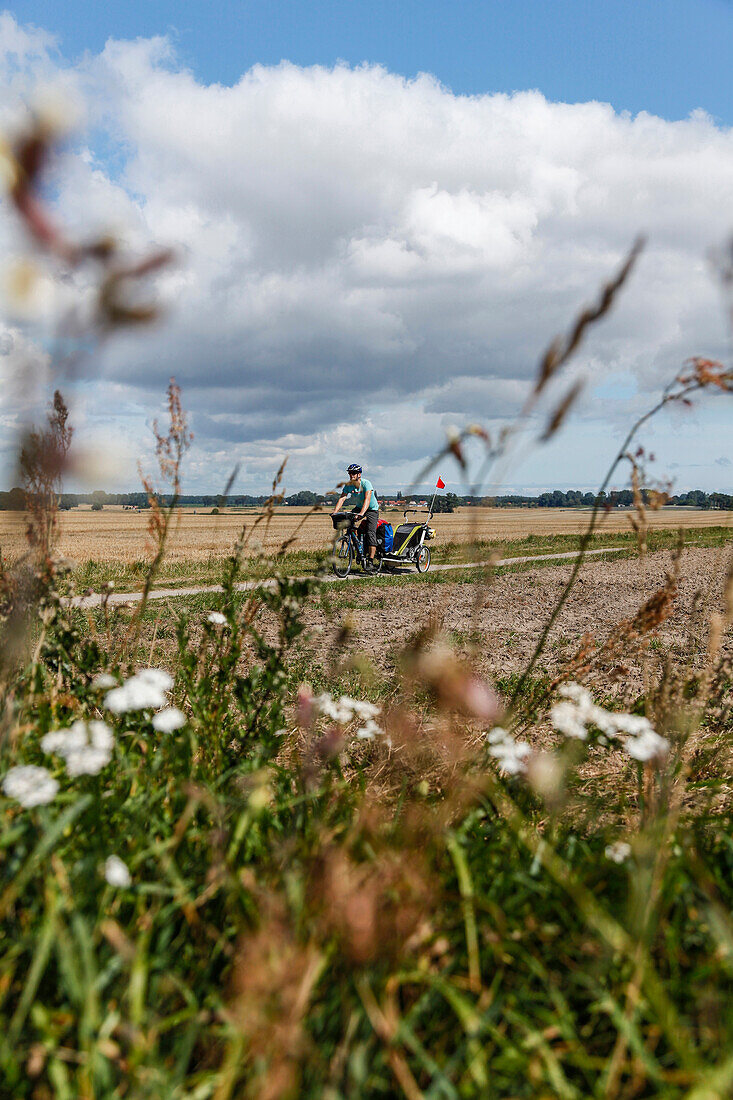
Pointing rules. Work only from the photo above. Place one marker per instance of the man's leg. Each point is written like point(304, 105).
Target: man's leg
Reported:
point(371, 522)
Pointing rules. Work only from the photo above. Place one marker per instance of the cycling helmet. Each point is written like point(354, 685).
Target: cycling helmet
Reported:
point(354, 468)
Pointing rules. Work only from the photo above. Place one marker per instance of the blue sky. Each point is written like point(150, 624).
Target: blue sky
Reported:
point(668, 57)
point(369, 257)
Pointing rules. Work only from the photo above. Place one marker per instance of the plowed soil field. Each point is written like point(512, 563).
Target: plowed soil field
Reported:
point(501, 628)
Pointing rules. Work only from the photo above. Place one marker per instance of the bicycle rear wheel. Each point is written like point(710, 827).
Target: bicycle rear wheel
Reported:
point(342, 556)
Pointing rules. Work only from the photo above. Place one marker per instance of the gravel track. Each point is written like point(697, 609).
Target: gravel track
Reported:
point(94, 599)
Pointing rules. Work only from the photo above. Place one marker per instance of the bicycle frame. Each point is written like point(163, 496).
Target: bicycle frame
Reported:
point(357, 541)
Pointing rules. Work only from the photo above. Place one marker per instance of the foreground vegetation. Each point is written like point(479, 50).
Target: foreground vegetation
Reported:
point(314, 898)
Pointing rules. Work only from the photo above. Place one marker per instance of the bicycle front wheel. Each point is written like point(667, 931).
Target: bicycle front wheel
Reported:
point(342, 557)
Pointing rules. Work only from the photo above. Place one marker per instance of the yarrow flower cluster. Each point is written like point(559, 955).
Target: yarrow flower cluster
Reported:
point(143, 691)
point(168, 720)
point(618, 852)
point(216, 618)
point(510, 754)
point(30, 785)
point(345, 710)
point(86, 747)
point(369, 730)
point(577, 711)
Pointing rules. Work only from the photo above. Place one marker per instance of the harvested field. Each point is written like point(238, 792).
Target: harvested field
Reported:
point(499, 625)
point(114, 535)
point(503, 627)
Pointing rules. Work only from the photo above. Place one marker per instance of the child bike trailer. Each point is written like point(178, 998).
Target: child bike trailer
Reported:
point(408, 545)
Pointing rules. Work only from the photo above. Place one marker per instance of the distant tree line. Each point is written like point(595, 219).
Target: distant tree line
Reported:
point(622, 498)
point(14, 500)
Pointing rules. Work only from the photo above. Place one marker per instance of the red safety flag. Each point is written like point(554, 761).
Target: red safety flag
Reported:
point(440, 484)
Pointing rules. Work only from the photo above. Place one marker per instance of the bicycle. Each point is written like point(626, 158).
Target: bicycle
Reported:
point(350, 548)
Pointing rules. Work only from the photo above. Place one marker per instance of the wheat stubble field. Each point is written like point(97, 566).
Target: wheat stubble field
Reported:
point(117, 536)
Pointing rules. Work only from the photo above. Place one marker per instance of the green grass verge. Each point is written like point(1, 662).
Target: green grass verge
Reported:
point(129, 577)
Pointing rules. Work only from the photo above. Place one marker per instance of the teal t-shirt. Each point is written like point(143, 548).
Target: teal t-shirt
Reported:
point(356, 496)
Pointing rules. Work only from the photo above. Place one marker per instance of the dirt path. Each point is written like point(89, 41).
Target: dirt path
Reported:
point(94, 599)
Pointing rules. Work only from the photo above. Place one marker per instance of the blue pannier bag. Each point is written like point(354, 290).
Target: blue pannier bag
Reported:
point(385, 536)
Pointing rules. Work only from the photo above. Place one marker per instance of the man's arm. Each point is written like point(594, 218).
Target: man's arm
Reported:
point(339, 502)
point(365, 505)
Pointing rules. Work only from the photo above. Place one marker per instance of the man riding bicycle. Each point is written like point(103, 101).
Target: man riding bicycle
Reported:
point(359, 492)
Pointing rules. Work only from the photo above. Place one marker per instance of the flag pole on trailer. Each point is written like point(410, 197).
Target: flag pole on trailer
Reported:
point(439, 484)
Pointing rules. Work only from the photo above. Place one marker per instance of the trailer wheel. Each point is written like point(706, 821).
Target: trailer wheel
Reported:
point(422, 560)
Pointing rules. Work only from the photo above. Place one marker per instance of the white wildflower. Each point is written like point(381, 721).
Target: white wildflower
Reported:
point(52, 742)
point(86, 747)
point(511, 755)
point(648, 745)
point(143, 691)
point(579, 695)
point(603, 719)
point(577, 711)
point(30, 785)
point(103, 681)
point(362, 709)
point(87, 761)
point(565, 717)
point(322, 703)
point(342, 713)
point(168, 720)
point(344, 710)
point(497, 736)
point(62, 742)
point(116, 872)
point(586, 713)
point(158, 677)
point(618, 852)
point(338, 711)
point(369, 731)
point(134, 696)
point(216, 618)
point(100, 735)
point(634, 724)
